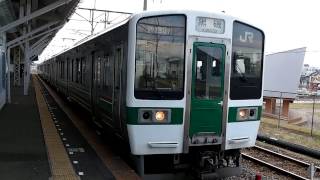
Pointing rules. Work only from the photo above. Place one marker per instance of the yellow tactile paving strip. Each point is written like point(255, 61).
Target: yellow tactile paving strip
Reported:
point(60, 165)
point(119, 169)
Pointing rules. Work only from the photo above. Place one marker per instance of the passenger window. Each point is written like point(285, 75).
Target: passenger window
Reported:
point(72, 70)
point(83, 71)
point(78, 70)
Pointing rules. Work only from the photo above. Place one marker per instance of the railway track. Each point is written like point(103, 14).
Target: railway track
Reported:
point(286, 165)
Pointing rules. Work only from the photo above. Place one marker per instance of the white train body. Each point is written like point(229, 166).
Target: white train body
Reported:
point(178, 84)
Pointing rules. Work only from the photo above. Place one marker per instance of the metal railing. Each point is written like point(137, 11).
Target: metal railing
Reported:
point(303, 109)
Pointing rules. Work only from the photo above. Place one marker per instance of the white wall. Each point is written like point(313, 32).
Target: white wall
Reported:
point(282, 73)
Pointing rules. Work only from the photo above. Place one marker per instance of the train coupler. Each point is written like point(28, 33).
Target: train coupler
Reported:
point(212, 165)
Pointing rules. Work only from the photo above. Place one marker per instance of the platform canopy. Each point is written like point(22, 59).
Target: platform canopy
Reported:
point(26, 28)
point(33, 21)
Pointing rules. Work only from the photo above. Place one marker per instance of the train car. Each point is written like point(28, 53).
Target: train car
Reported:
point(182, 88)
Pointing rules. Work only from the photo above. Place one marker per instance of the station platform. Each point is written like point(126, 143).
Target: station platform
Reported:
point(23, 152)
point(39, 140)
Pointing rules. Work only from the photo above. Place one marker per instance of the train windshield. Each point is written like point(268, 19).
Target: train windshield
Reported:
point(246, 66)
point(160, 54)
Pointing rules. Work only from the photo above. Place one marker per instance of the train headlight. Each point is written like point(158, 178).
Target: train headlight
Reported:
point(248, 113)
point(154, 116)
point(160, 116)
point(242, 114)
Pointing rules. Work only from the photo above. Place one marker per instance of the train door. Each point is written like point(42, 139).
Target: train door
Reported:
point(207, 92)
point(118, 57)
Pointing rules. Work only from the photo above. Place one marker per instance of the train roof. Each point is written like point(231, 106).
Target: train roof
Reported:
point(139, 15)
point(192, 12)
point(88, 38)
point(187, 12)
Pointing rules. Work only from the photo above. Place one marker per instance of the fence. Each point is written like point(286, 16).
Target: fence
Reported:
point(292, 111)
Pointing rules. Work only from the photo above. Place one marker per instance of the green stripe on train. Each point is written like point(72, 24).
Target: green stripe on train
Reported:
point(232, 115)
point(132, 115)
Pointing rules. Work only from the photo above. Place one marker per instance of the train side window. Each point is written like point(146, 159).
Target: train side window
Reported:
point(67, 70)
point(62, 70)
point(59, 63)
point(110, 75)
point(107, 71)
point(72, 69)
point(99, 71)
point(83, 70)
point(78, 70)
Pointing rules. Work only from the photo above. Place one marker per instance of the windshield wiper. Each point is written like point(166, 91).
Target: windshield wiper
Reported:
point(243, 76)
point(158, 94)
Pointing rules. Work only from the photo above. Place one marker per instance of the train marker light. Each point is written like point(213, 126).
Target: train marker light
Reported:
point(252, 112)
point(146, 115)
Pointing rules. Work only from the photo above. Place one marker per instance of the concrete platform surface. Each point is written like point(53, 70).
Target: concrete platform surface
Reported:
point(23, 152)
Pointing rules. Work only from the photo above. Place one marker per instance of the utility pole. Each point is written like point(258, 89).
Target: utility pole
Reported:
point(145, 4)
point(92, 17)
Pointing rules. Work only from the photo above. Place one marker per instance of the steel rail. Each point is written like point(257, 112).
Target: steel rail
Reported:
point(302, 163)
point(271, 166)
point(290, 146)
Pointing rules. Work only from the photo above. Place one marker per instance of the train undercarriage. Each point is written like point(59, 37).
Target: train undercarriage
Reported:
point(200, 163)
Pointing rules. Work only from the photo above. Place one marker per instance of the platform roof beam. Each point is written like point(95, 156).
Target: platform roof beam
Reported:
point(33, 37)
point(34, 15)
point(34, 45)
point(44, 27)
point(39, 48)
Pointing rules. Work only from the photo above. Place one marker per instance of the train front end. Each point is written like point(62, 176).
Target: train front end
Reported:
point(194, 89)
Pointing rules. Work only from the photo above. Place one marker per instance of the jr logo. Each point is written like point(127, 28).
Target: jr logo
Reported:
point(248, 37)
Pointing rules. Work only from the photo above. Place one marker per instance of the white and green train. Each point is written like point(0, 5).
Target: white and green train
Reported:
point(183, 88)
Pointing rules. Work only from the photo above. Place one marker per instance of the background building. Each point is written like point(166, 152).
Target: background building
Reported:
point(282, 73)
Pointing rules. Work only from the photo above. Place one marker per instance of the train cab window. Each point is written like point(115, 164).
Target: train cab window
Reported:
point(247, 61)
point(160, 57)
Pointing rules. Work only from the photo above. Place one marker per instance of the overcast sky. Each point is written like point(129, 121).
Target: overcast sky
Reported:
point(288, 24)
